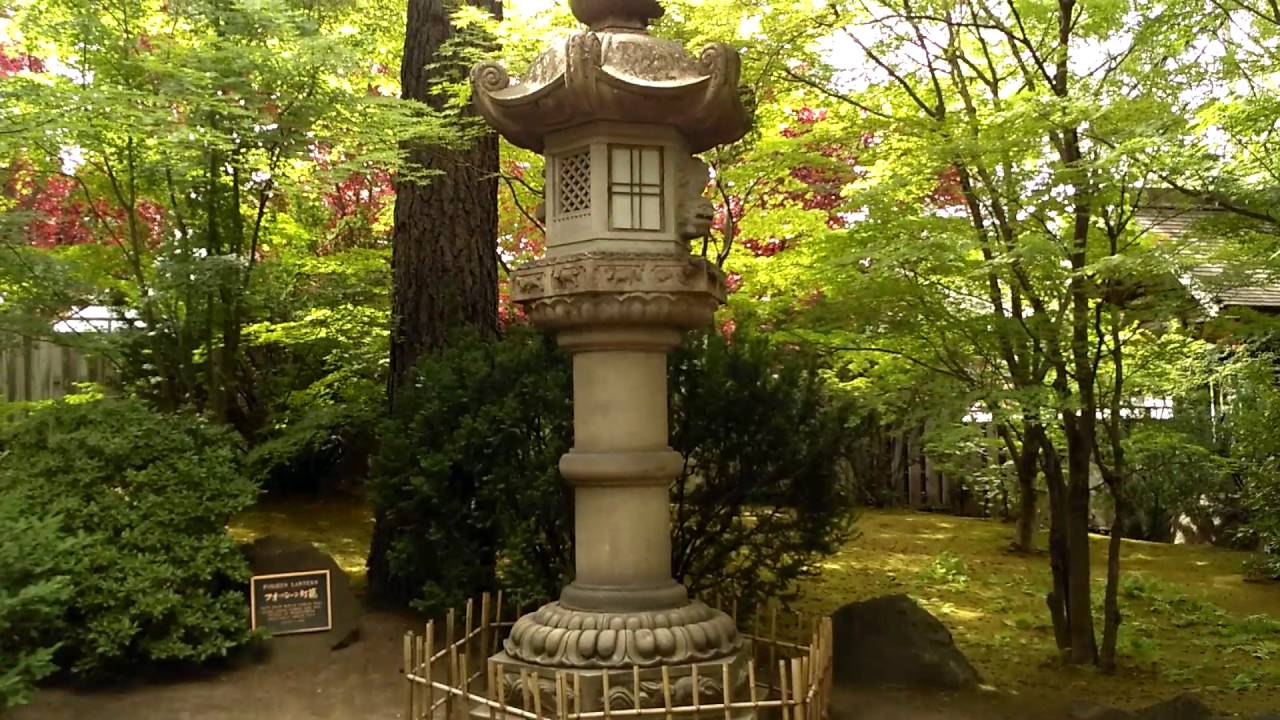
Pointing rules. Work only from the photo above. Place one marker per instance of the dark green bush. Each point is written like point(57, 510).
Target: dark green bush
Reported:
point(35, 594)
point(467, 482)
point(155, 577)
point(466, 476)
point(764, 439)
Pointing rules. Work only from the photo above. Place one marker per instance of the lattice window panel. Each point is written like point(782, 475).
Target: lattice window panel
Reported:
point(573, 184)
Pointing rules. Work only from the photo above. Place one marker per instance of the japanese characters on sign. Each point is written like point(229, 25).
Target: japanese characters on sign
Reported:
point(291, 602)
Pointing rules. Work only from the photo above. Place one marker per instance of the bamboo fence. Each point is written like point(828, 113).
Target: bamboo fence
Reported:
point(451, 673)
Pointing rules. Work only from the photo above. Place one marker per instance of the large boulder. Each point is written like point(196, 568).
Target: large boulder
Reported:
point(892, 641)
point(275, 555)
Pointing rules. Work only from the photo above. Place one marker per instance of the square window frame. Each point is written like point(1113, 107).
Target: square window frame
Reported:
point(661, 186)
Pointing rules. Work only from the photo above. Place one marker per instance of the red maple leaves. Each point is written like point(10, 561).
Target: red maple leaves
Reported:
point(12, 64)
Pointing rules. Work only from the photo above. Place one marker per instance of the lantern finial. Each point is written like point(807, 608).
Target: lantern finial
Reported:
point(616, 14)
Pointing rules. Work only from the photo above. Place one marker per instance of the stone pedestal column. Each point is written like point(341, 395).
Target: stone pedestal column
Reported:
point(619, 314)
point(621, 469)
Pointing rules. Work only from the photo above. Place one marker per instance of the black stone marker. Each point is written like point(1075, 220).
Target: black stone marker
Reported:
point(290, 603)
point(275, 555)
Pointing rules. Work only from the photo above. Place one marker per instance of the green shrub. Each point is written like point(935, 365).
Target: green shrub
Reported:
point(467, 486)
point(764, 438)
point(35, 593)
point(1255, 449)
point(155, 576)
point(324, 397)
point(466, 479)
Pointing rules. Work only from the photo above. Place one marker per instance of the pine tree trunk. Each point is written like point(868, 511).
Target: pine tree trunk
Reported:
point(444, 257)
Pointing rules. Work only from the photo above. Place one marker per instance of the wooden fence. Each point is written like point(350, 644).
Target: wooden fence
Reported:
point(786, 675)
point(897, 471)
point(32, 370)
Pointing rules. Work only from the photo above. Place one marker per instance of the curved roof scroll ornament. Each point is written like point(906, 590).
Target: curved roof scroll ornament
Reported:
point(617, 71)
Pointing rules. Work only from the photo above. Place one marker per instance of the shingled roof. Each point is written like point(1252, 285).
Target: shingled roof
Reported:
point(1176, 216)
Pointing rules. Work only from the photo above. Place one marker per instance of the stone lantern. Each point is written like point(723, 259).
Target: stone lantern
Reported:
point(619, 115)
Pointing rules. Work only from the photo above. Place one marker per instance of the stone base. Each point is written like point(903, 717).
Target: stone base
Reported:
point(622, 687)
point(555, 636)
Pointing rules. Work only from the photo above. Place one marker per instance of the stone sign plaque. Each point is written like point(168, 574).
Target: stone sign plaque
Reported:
point(290, 603)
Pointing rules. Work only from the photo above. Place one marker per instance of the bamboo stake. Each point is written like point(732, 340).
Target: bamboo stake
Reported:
point(537, 694)
point(751, 684)
point(577, 693)
point(666, 690)
point(797, 680)
point(773, 633)
point(466, 678)
point(562, 695)
point(524, 689)
point(635, 685)
point(727, 690)
point(430, 671)
point(484, 623)
point(466, 644)
point(451, 619)
point(408, 671)
point(604, 691)
point(502, 690)
point(419, 662)
point(782, 686)
point(491, 685)
point(697, 695)
point(452, 672)
point(497, 624)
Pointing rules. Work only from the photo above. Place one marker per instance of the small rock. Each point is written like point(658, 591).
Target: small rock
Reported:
point(1183, 707)
point(1081, 710)
point(893, 641)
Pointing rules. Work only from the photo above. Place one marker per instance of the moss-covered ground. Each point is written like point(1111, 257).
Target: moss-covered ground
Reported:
point(1192, 624)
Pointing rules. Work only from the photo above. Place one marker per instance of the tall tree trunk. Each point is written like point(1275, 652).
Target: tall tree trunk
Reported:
point(1059, 557)
point(1116, 474)
point(1028, 467)
point(1084, 642)
point(444, 257)
point(1111, 601)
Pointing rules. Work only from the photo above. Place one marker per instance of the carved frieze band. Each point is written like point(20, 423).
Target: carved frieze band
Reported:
point(617, 273)
point(556, 636)
point(668, 290)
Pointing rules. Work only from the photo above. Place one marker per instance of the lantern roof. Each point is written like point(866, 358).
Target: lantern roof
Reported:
point(617, 72)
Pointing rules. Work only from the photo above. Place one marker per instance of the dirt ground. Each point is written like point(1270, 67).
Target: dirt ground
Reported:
point(361, 681)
